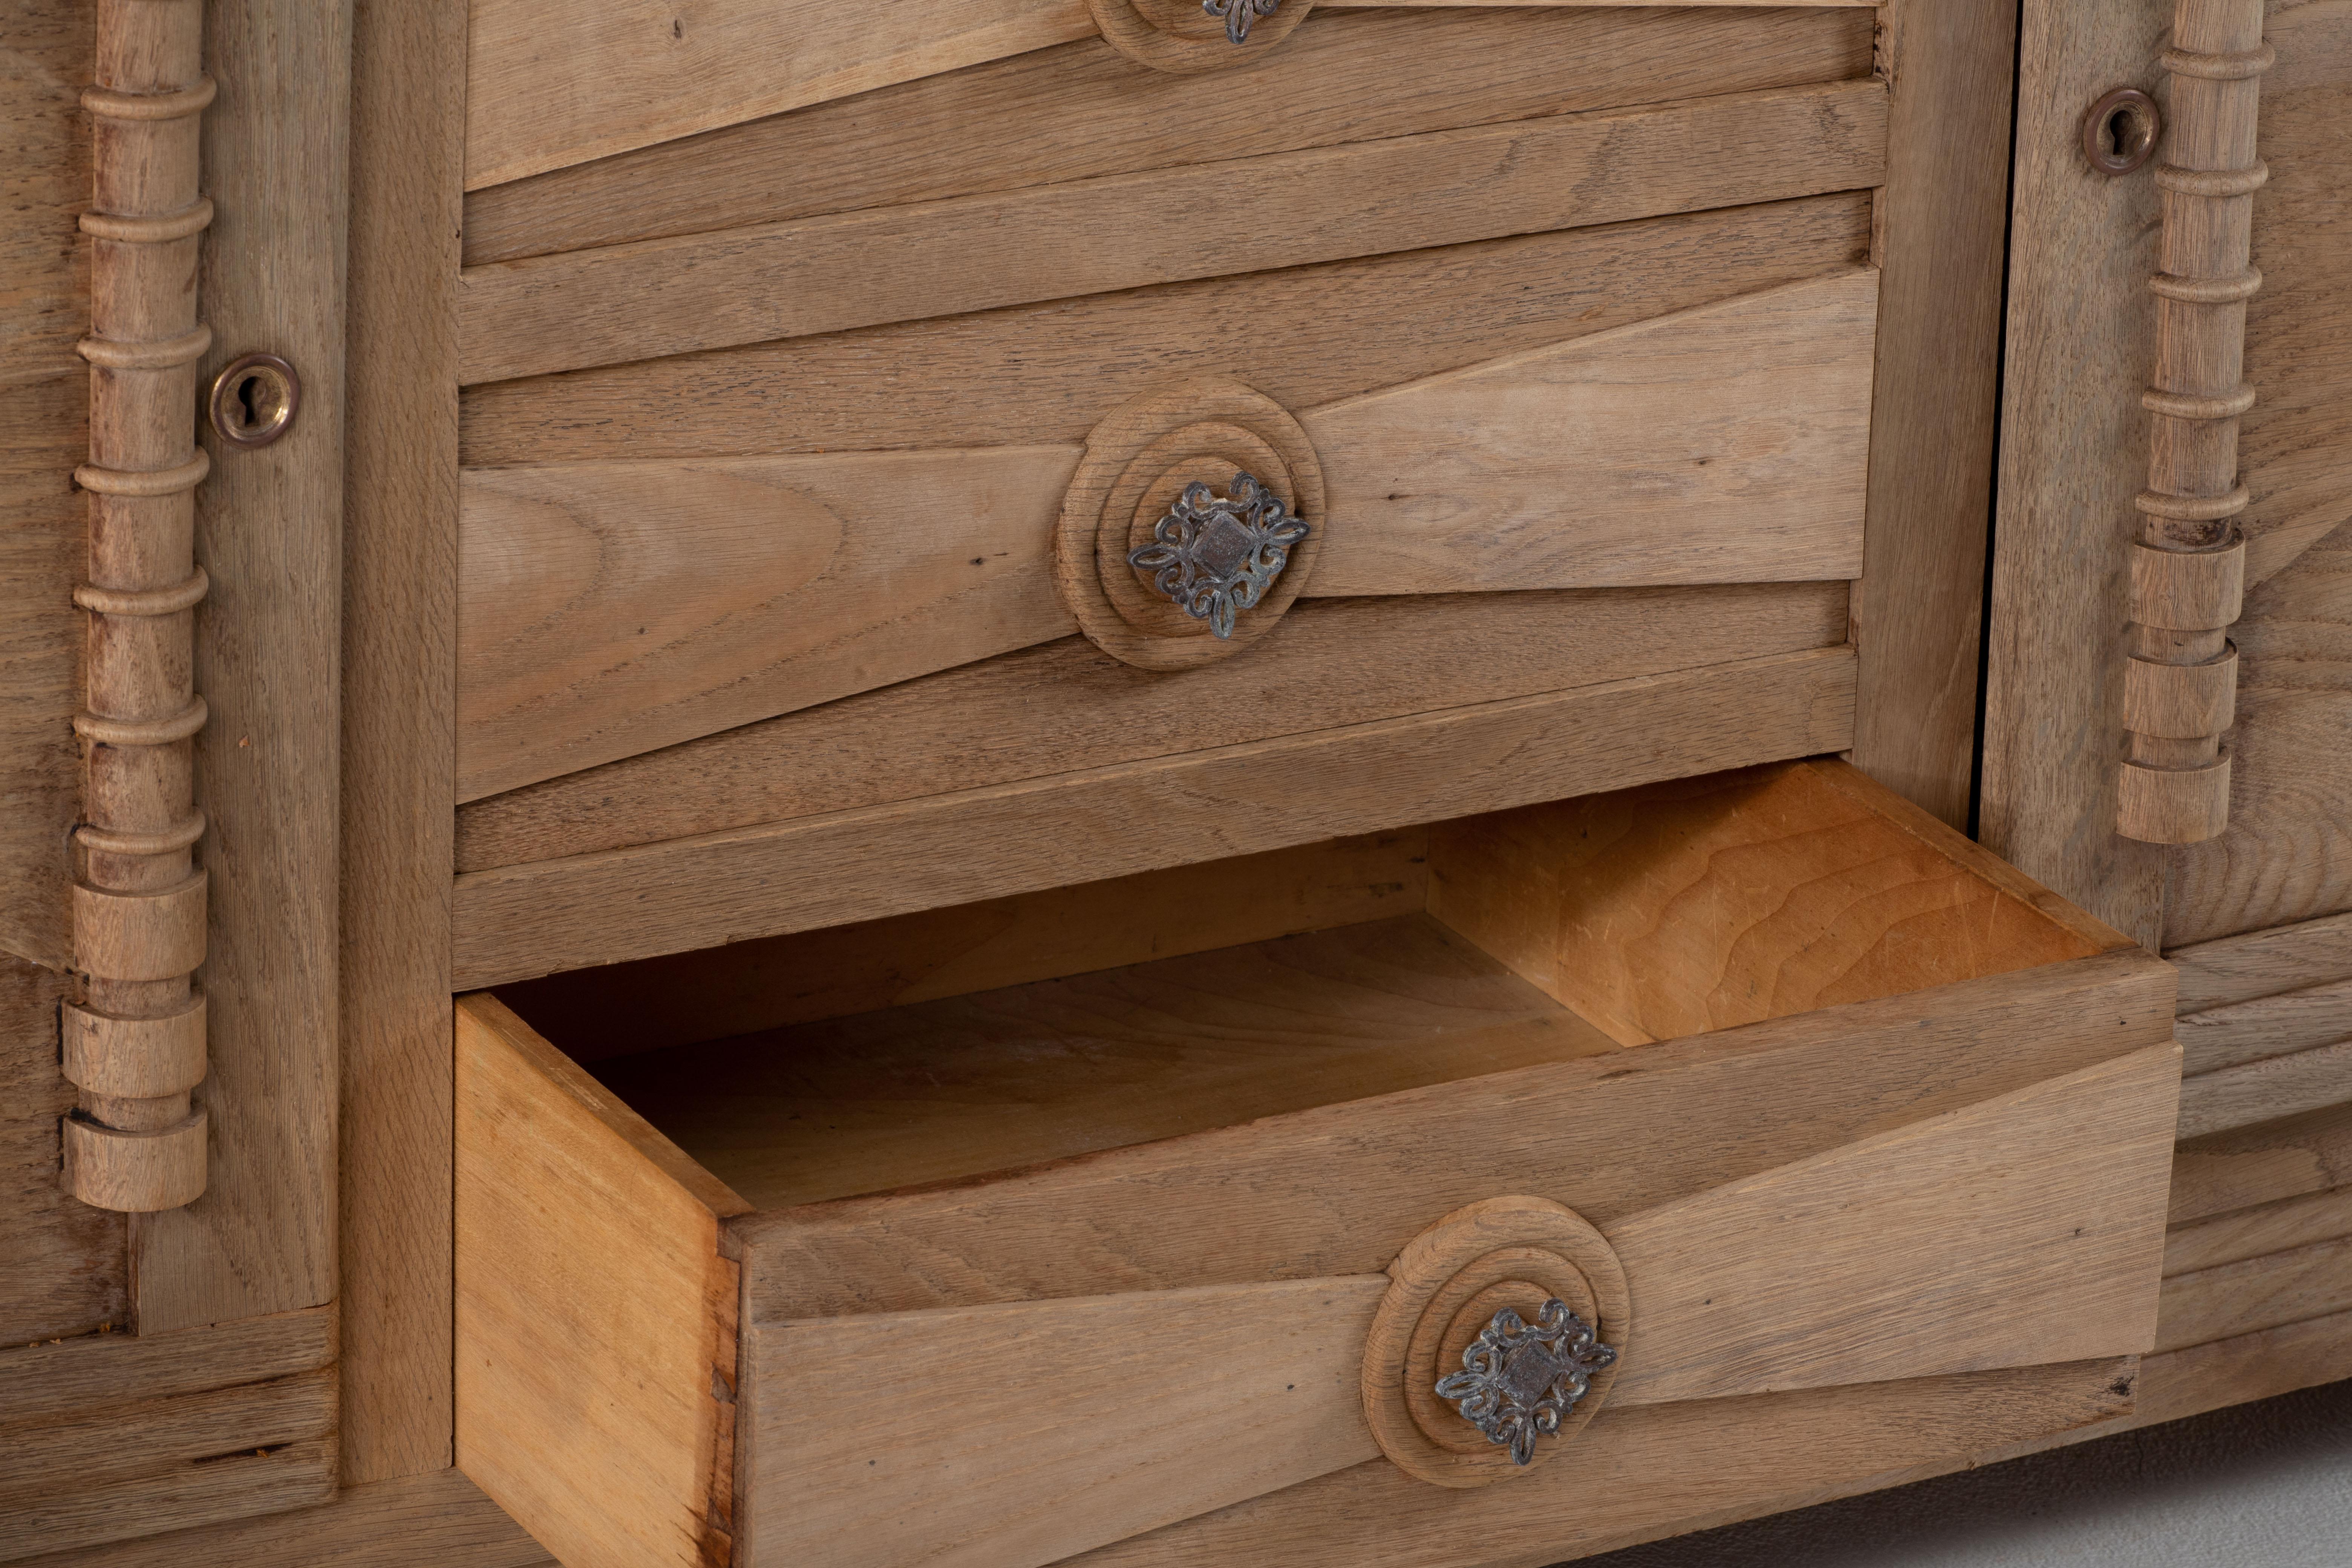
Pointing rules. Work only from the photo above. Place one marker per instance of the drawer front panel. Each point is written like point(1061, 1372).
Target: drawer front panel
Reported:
point(1999, 1234)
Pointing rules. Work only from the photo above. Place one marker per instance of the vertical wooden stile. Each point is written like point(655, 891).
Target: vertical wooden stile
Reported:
point(2189, 567)
point(135, 1044)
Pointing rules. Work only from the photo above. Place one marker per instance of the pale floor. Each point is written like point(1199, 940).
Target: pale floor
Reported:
point(2259, 1486)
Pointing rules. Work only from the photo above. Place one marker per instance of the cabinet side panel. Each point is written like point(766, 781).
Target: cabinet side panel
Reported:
point(44, 414)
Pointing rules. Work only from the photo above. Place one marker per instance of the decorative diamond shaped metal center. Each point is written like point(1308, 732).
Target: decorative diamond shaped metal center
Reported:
point(1518, 1381)
point(1239, 15)
point(1214, 557)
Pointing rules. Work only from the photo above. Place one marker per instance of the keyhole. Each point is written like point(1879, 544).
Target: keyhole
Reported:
point(2119, 134)
point(254, 400)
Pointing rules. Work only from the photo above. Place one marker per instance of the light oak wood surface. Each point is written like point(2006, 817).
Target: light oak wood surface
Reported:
point(568, 89)
point(1254, 1389)
point(2264, 1090)
point(44, 433)
point(1055, 369)
point(1082, 110)
point(1940, 244)
point(2080, 339)
point(399, 738)
point(2257, 1293)
point(2242, 1166)
point(69, 1264)
point(1651, 1472)
point(950, 1089)
point(2257, 1231)
point(513, 924)
point(438, 1517)
point(595, 1338)
point(1593, 900)
point(1727, 442)
point(2267, 1027)
point(717, 993)
point(2260, 963)
point(1064, 706)
point(608, 609)
point(269, 529)
point(972, 253)
point(115, 1435)
point(1213, 1209)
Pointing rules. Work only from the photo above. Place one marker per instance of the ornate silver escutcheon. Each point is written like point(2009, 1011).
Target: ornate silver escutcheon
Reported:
point(1518, 1381)
point(1214, 557)
point(1239, 15)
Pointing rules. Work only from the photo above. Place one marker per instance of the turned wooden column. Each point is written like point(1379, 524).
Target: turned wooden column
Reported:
point(135, 1044)
point(2189, 567)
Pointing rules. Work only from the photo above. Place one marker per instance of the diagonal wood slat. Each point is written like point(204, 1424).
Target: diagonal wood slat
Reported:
point(609, 609)
point(1083, 237)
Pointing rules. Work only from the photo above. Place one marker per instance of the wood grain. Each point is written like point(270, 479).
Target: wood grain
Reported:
point(1053, 370)
point(2079, 342)
point(2282, 861)
point(513, 924)
point(1810, 897)
point(69, 1264)
point(1000, 1459)
point(2248, 1165)
point(44, 432)
point(1941, 250)
point(2242, 1367)
point(2267, 1027)
point(1646, 1472)
point(1215, 1207)
point(1063, 706)
point(606, 609)
point(438, 1517)
point(113, 1369)
point(1894, 1281)
point(963, 1087)
point(2256, 1232)
point(973, 253)
point(1081, 109)
point(262, 1238)
point(554, 86)
point(398, 738)
point(2264, 1090)
point(1728, 443)
point(2260, 963)
point(717, 993)
point(111, 1437)
point(596, 1321)
point(2256, 1293)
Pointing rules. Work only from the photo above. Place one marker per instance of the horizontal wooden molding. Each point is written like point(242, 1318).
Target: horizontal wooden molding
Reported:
point(523, 920)
point(824, 274)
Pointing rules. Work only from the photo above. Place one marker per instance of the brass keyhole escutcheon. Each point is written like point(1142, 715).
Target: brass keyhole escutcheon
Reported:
point(255, 399)
point(2119, 134)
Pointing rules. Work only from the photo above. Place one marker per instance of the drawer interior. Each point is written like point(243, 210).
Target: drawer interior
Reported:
point(961, 1042)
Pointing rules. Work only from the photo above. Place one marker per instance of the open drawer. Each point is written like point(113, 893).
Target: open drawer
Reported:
point(1135, 1221)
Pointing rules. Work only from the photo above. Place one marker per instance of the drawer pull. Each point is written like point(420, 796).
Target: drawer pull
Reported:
point(1518, 1379)
point(1214, 557)
point(1239, 15)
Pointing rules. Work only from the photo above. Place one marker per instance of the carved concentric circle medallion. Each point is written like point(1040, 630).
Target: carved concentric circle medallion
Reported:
point(1186, 36)
point(1196, 439)
point(1446, 1290)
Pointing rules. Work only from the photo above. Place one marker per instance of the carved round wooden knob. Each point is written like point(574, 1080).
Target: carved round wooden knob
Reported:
point(1454, 1393)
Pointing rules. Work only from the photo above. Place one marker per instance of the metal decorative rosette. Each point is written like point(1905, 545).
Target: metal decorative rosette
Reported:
point(1519, 1379)
point(1214, 557)
point(1191, 524)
